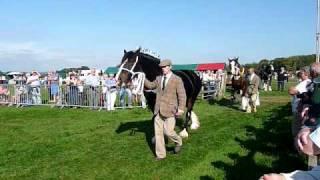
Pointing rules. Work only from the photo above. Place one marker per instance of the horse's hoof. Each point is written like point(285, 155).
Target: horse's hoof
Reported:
point(184, 133)
point(194, 126)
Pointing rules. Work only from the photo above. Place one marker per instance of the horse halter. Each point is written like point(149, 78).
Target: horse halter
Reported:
point(141, 75)
point(126, 69)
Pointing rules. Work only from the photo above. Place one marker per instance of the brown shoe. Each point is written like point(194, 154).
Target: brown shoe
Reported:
point(177, 149)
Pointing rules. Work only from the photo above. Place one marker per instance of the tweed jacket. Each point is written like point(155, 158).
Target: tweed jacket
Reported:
point(171, 99)
point(253, 85)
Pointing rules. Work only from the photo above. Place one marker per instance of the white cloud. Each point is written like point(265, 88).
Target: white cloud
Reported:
point(27, 56)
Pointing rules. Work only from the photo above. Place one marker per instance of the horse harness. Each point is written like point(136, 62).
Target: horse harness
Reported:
point(141, 76)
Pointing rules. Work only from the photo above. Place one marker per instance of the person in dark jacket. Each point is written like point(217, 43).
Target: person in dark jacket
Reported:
point(282, 76)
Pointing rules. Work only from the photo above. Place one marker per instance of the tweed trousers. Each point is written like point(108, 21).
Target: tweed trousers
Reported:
point(165, 126)
point(252, 103)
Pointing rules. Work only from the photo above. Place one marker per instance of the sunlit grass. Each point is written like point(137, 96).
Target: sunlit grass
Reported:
point(44, 143)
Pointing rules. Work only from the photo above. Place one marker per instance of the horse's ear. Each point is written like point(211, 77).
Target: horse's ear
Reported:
point(125, 51)
point(138, 50)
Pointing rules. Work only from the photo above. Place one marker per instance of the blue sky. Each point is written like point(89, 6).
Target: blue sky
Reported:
point(45, 34)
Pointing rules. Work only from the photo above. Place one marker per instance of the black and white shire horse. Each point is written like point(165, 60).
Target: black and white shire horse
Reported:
point(266, 73)
point(136, 62)
point(238, 81)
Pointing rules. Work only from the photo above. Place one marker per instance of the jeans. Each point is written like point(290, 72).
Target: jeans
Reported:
point(35, 94)
point(122, 94)
point(93, 96)
point(280, 85)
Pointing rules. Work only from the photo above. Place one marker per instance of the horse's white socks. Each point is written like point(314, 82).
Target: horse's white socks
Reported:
point(184, 133)
point(195, 124)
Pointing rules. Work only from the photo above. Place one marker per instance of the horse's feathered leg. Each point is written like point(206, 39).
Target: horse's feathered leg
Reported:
point(195, 121)
point(184, 132)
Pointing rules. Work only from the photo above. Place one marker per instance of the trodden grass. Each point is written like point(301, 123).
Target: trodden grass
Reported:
point(44, 143)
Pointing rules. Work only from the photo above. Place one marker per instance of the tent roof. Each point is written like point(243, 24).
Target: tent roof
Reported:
point(15, 73)
point(184, 66)
point(111, 70)
point(210, 66)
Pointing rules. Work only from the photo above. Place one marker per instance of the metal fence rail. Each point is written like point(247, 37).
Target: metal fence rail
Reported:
point(99, 97)
point(211, 89)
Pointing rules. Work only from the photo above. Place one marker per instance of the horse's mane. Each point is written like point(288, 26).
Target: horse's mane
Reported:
point(150, 66)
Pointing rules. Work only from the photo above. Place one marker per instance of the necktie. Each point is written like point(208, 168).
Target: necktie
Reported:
point(164, 82)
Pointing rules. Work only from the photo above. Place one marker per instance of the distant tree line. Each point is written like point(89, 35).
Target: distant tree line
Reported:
point(292, 63)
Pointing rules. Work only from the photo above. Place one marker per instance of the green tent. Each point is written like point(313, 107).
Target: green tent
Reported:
point(111, 70)
point(184, 67)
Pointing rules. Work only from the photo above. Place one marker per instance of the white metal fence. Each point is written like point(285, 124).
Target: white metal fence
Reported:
point(99, 97)
point(210, 89)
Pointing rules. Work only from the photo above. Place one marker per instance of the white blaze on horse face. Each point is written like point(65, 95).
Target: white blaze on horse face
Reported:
point(234, 69)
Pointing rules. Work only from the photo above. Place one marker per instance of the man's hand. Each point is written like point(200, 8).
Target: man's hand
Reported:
point(179, 113)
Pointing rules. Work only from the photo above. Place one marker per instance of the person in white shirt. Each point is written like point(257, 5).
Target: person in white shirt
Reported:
point(34, 85)
point(53, 83)
point(111, 92)
point(206, 80)
point(92, 83)
point(294, 91)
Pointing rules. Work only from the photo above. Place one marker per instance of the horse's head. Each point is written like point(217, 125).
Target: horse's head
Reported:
point(234, 65)
point(130, 64)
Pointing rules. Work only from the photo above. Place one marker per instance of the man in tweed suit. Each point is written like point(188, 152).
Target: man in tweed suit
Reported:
point(252, 90)
point(170, 102)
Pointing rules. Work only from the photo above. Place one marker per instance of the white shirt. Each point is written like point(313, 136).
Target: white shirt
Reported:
point(92, 80)
point(33, 80)
point(167, 79)
point(205, 77)
point(301, 88)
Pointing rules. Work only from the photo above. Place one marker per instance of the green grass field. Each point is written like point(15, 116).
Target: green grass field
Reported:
point(44, 143)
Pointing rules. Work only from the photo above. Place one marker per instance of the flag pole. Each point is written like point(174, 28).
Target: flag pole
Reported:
point(318, 33)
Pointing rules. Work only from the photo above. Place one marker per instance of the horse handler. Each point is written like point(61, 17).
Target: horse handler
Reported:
point(252, 91)
point(170, 102)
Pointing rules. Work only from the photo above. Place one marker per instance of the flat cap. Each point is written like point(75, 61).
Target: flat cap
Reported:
point(165, 62)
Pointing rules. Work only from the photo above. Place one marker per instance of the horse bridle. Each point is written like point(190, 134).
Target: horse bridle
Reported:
point(126, 69)
point(141, 75)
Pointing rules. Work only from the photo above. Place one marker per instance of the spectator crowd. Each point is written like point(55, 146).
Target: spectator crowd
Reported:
point(95, 89)
point(306, 122)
